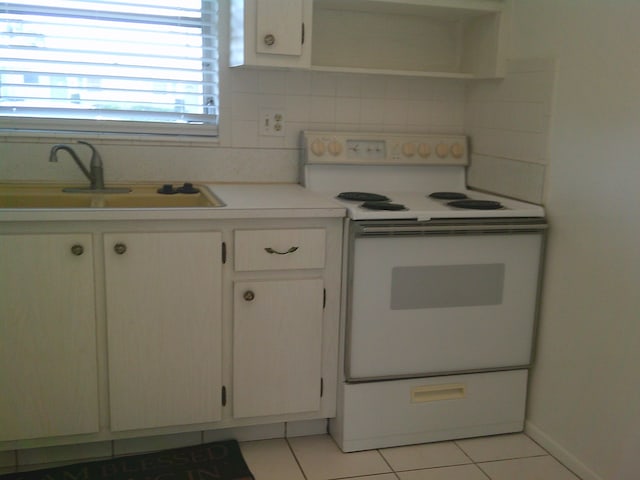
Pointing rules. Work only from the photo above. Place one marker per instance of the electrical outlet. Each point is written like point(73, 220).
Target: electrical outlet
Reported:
point(271, 122)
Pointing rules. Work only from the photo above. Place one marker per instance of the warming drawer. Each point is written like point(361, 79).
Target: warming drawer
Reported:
point(402, 412)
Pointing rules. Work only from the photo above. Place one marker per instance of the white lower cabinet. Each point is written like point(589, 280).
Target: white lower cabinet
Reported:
point(48, 365)
point(120, 329)
point(277, 346)
point(164, 323)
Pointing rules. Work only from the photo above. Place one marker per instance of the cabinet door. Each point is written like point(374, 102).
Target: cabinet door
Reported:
point(48, 372)
point(164, 328)
point(277, 342)
point(274, 33)
point(279, 27)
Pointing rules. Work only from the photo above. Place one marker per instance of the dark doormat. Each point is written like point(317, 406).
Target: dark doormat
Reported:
point(211, 461)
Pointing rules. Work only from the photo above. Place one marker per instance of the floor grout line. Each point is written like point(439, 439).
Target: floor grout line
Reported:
point(293, 453)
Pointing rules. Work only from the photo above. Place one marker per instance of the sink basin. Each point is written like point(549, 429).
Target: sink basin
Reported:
point(141, 196)
point(42, 200)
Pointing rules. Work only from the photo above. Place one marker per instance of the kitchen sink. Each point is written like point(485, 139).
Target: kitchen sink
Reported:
point(140, 196)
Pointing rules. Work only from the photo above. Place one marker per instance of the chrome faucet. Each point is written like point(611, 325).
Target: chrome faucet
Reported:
point(95, 173)
point(95, 176)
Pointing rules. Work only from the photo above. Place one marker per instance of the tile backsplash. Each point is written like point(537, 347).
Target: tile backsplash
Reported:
point(307, 100)
point(319, 100)
point(507, 121)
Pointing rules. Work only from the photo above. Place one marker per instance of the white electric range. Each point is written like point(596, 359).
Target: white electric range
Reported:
point(441, 290)
point(403, 174)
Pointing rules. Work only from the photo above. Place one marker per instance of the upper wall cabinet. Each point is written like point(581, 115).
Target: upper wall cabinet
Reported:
point(270, 33)
point(439, 38)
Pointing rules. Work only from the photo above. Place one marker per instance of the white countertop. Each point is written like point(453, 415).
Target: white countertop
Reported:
point(241, 201)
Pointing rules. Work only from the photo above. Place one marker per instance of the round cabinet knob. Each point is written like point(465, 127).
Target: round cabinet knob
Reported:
point(120, 248)
point(457, 150)
point(269, 39)
point(317, 148)
point(335, 148)
point(248, 295)
point(409, 149)
point(77, 250)
point(424, 150)
point(442, 150)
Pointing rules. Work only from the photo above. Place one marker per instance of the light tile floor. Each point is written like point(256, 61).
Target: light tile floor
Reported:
point(500, 457)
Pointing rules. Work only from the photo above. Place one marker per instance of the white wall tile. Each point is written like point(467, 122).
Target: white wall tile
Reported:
point(397, 88)
point(373, 87)
point(244, 133)
point(308, 100)
point(131, 446)
point(348, 86)
point(298, 83)
point(297, 108)
point(266, 141)
point(348, 110)
point(244, 106)
point(273, 82)
point(245, 434)
point(443, 89)
point(323, 109)
point(522, 180)
point(271, 100)
point(419, 113)
point(64, 453)
point(323, 84)
point(372, 111)
point(420, 88)
point(306, 427)
point(8, 459)
point(395, 112)
point(243, 80)
point(508, 122)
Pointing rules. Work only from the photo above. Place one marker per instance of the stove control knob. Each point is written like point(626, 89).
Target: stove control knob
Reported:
point(408, 149)
point(424, 150)
point(335, 148)
point(442, 150)
point(457, 150)
point(317, 147)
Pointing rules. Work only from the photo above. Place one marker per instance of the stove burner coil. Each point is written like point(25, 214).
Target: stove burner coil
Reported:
point(476, 204)
point(383, 206)
point(448, 195)
point(363, 197)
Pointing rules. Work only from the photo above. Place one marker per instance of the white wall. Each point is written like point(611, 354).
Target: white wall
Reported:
point(585, 390)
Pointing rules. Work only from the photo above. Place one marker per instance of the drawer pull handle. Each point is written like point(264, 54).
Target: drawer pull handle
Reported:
point(431, 393)
point(271, 250)
point(120, 248)
point(77, 250)
point(249, 295)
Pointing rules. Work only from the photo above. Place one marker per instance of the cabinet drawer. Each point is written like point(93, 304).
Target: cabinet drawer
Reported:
point(402, 412)
point(279, 249)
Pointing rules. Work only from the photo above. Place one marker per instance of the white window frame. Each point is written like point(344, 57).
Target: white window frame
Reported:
point(127, 129)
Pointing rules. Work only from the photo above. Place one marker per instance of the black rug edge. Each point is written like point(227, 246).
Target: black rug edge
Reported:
point(241, 471)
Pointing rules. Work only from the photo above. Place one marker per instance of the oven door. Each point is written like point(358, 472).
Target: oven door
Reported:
point(435, 299)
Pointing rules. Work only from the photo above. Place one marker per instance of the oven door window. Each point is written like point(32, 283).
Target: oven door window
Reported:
point(438, 304)
point(442, 286)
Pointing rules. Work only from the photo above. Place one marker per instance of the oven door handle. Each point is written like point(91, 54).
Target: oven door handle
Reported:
point(408, 230)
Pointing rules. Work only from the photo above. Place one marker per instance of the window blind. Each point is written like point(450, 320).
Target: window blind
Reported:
point(140, 66)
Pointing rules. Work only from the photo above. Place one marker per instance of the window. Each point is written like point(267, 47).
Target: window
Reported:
point(139, 66)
